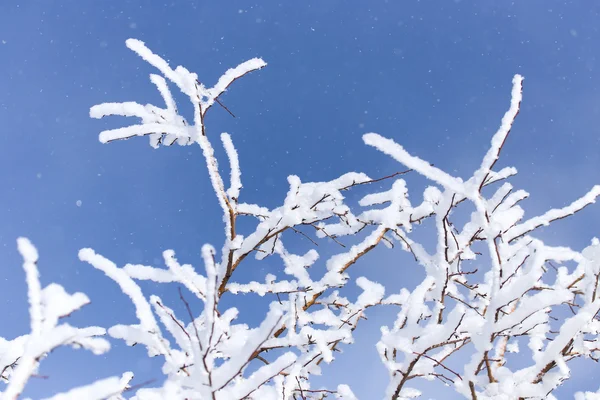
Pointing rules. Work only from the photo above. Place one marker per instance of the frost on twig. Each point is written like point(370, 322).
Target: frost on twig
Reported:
point(20, 357)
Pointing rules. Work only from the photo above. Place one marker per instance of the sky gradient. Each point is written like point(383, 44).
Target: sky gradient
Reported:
point(434, 76)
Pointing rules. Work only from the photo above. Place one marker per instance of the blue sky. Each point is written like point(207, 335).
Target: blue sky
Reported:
point(435, 76)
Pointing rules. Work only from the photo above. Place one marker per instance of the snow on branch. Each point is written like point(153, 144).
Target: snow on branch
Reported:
point(236, 181)
point(393, 149)
point(517, 301)
point(109, 388)
point(165, 125)
point(498, 140)
point(213, 352)
point(553, 215)
point(20, 357)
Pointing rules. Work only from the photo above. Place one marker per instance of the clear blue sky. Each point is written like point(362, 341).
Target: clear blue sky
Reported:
point(434, 75)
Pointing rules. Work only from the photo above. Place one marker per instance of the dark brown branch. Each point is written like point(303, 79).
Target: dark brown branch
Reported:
point(223, 105)
point(376, 180)
point(189, 310)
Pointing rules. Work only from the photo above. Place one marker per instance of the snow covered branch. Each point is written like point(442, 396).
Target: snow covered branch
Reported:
point(521, 296)
point(20, 357)
point(165, 125)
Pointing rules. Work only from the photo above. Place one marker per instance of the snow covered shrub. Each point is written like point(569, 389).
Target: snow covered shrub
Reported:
point(453, 310)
